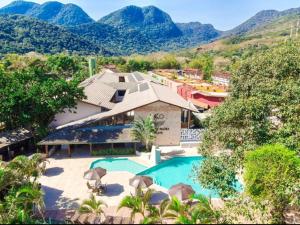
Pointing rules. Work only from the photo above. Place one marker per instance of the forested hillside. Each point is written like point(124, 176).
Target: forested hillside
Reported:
point(53, 12)
point(19, 34)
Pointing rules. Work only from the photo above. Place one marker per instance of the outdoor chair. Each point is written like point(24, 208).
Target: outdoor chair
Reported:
point(92, 188)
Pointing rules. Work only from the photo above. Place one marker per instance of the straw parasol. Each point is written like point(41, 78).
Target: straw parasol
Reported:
point(181, 191)
point(141, 181)
point(94, 174)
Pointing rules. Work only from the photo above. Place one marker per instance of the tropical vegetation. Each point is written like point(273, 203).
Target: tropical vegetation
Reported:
point(29, 90)
point(197, 211)
point(21, 197)
point(262, 109)
point(144, 130)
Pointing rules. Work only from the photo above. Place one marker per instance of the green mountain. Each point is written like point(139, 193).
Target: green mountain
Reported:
point(197, 32)
point(53, 12)
point(149, 21)
point(259, 20)
point(126, 31)
point(20, 34)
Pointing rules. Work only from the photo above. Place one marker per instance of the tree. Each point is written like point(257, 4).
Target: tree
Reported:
point(92, 206)
point(205, 63)
point(65, 66)
point(139, 203)
point(21, 197)
point(270, 171)
point(144, 130)
point(30, 98)
point(263, 105)
point(169, 62)
point(218, 174)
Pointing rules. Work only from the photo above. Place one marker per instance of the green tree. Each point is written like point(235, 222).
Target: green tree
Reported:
point(21, 197)
point(144, 130)
point(263, 105)
point(65, 66)
point(31, 98)
point(270, 171)
point(219, 174)
point(205, 63)
point(139, 204)
point(93, 206)
point(168, 62)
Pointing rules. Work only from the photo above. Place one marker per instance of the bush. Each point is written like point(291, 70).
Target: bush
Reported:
point(218, 173)
point(271, 171)
point(113, 151)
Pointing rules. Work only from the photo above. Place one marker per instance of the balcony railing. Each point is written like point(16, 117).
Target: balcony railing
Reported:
point(191, 135)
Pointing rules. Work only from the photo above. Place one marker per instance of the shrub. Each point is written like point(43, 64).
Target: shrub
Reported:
point(270, 172)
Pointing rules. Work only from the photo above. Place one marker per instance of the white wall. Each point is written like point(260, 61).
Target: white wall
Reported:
point(169, 118)
point(83, 110)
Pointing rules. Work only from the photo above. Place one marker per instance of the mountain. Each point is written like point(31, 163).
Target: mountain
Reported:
point(262, 18)
point(53, 12)
point(149, 20)
point(20, 34)
point(199, 32)
point(126, 31)
point(18, 7)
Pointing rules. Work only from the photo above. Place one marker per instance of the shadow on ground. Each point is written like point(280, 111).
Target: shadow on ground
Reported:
point(114, 190)
point(54, 171)
point(158, 197)
point(54, 199)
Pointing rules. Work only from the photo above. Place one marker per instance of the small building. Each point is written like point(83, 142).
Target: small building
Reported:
point(201, 99)
point(114, 101)
point(193, 74)
point(222, 78)
point(16, 142)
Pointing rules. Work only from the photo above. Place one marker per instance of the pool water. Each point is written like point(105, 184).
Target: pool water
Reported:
point(171, 172)
point(180, 170)
point(122, 164)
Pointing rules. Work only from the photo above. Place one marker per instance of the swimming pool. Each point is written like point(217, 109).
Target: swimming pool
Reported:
point(119, 164)
point(180, 170)
point(171, 172)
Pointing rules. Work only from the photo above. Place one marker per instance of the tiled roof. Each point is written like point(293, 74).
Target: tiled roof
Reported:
point(91, 135)
point(10, 137)
point(140, 96)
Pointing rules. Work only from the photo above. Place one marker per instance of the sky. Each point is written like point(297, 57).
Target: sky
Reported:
point(223, 14)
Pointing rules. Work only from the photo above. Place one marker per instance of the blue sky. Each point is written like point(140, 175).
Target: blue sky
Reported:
point(223, 14)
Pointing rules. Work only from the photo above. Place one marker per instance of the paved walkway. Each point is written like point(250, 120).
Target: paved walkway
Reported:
point(65, 187)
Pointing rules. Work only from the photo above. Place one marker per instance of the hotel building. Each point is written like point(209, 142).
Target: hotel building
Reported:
point(113, 102)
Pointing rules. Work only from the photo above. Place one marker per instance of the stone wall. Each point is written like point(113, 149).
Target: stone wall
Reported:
point(168, 120)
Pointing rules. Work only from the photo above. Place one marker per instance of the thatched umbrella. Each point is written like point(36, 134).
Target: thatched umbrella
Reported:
point(181, 191)
point(94, 174)
point(141, 182)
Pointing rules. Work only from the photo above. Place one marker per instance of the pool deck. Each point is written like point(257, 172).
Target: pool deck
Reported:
point(65, 187)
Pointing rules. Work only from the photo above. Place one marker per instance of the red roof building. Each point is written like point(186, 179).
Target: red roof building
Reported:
point(205, 100)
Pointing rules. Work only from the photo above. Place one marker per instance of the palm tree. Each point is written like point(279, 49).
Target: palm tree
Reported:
point(177, 209)
point(199, 213)
point(31, 198)
point(139, 203)
point(92, 205)
point(158, 215)
point(144, 130)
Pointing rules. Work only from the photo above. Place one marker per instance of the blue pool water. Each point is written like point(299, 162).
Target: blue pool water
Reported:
point(180, 170)
point(166, 174)
point(122, 164)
